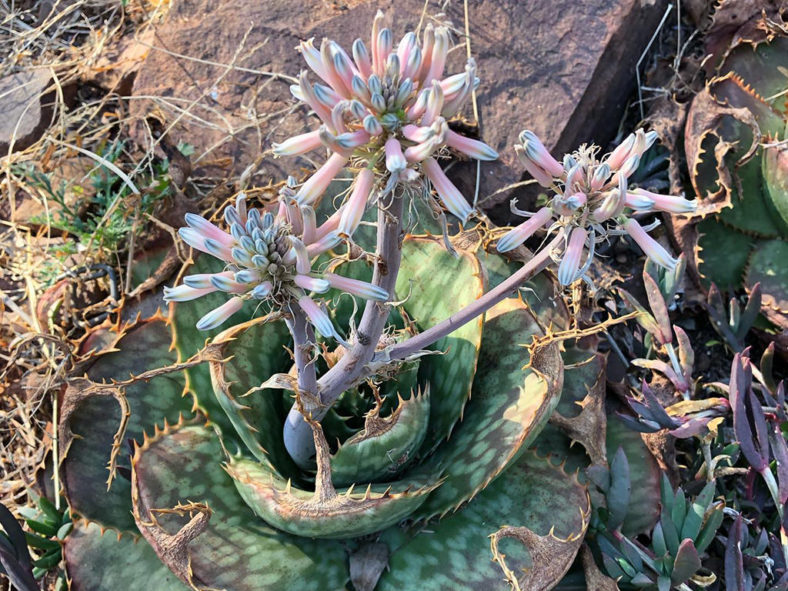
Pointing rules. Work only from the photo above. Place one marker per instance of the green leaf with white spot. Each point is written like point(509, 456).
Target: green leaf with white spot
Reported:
point(189, 340)
point(237, 551)
point(454, 553)
point(100, 561)
point(385, 446)
point(513, 396)
point(437, 284)
point(84, 469)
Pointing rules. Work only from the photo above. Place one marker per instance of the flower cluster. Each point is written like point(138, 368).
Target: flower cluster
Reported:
point(590, 194)
point(387, 104)
point(268, 258)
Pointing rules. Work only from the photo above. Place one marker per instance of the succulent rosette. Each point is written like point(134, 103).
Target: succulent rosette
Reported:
point(592, 200)
point(386, 109)
point(426, 459)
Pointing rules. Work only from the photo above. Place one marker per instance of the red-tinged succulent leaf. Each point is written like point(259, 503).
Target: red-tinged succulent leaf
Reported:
point(14, 556)
point(553, 508)
point(513, 396)
point(99, 559)
point(686, 562)
point(780, 451)
point(749, 422)
point(237, 551)
point(659, 309)
point(644, 318)
point(84, 469)
point(734, 560)
point(686, 353)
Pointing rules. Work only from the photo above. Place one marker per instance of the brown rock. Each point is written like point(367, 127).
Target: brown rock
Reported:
point(115, 67)
point(26, 103)
point(563, 69)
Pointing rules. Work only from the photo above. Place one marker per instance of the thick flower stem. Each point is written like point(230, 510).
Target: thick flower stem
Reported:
point(297, 432)
point(350, 369)
point(388, 256)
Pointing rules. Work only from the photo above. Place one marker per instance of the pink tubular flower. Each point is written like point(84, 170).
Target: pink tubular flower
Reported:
point(218, 315)
point(542, 177)
point(470, 147)
point(353, 210)
point(592, 200)
point(650, 247)
point(390, 99)
point(516, 236)
point(184, 293)
point(538, 154)
point(356, 287)
point(270, 259)
point(395, 159)
point(299, 144)
point(449, 195)
point(667, 203)
point(317, 184)
point(570, 263)
point(317, 317)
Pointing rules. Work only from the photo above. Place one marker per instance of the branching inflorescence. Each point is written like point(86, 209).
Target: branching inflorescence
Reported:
point(592, 201)
point(384, 116)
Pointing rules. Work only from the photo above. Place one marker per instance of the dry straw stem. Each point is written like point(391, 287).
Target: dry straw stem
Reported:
point(65, 42)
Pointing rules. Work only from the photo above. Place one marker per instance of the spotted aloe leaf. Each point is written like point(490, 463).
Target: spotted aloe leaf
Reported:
point(143, 347)
point(510, 405)
point(101, 559)
point(450, 375)
point(236, 550)
point(385, 443)
point(554, 510)
point(188, 340)
point(222, 482)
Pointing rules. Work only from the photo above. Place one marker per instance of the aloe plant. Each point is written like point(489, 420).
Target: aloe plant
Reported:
point(734, 142)
point(365, 421)
point(395, 450)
